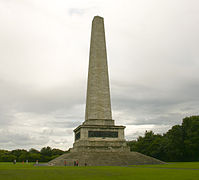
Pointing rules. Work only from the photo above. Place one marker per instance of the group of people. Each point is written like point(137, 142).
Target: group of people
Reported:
point(76, 163)
point(15, 161)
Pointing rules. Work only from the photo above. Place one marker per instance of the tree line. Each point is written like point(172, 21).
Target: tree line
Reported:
point(21, 155)
point(180, 143)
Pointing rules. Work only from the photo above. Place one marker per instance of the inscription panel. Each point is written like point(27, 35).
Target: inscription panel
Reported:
point(103, 134)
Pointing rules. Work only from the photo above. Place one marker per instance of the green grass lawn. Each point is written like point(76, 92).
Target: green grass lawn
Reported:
point(20, 171)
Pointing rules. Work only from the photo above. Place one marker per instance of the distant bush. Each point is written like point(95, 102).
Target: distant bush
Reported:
point(45, 154)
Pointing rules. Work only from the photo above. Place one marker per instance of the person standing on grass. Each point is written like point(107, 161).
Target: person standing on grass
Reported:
point(65, 163)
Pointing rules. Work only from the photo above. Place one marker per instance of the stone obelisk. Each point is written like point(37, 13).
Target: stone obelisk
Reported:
point(98, 132)
point(98, 141)
point(98, 103)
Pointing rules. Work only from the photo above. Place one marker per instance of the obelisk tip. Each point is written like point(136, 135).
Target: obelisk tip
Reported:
point(98, 18)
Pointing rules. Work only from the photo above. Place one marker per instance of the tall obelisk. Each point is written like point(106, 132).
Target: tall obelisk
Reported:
point(98, 132)
point(98, 142)
point(98, 103)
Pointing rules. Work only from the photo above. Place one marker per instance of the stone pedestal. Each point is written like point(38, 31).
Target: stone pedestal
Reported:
point(99, 138)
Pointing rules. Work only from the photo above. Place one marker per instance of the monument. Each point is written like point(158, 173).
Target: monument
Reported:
point(98, 131)
point(98, 141)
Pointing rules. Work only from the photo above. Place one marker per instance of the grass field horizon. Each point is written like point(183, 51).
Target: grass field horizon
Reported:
point(177, 170)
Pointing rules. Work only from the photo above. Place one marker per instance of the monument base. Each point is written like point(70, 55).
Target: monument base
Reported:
point(101, 145)
point(85, 158)
point(100, 138)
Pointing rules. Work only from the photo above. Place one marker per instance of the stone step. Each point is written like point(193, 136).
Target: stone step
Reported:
point(104, 159)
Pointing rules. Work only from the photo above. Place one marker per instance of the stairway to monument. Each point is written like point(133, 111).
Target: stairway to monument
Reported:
point(104, 159)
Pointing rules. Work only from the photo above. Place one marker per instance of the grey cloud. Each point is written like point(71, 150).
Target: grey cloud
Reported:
point(14, 139)
point(160, 119)
point(133, 135)
point(22, 98)
point(5, 117)
point(67, 123)
point(60, 141)
point(156, 106)
point(76, 11)
point(158, 129)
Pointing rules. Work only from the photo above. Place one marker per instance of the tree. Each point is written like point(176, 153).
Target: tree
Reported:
point(46, 151)
point(18, 153)
point(180, 143)
point(190, 126)
point(174, 147)
point(23, 157)
point(57, 152)
point(150, 145)
point(7, 158)
point(46, 154)
point(32, 150)
point(34, 156)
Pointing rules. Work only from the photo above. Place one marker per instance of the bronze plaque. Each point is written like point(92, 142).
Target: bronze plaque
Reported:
point(110, 134)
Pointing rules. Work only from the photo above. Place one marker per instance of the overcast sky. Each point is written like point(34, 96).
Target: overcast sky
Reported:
point(153, 58)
